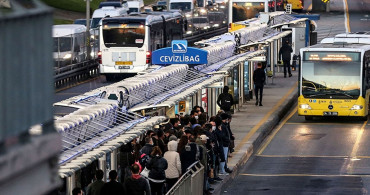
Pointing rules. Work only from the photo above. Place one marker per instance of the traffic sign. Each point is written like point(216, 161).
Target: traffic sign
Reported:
point(179, 53)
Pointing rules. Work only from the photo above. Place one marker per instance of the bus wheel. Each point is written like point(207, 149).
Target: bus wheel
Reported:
point(308, 118)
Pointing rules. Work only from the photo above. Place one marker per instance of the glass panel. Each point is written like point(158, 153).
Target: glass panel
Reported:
point(64, 43)
point(121, 33)
point(236, 84)
point(184, 6)
point(325, 79)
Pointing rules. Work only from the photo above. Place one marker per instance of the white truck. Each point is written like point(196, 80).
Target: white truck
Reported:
point(104, 12)
point(135, 6)
point(69, 44)
point(183, 5)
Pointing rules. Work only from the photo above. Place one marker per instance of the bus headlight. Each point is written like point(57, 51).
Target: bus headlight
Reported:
point(356, 107)
point(67, 56)
point(305, 106)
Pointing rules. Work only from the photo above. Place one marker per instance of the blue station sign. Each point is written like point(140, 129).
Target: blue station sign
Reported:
point(179, 53)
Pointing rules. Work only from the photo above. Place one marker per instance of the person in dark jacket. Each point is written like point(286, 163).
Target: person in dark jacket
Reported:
point(95, 187)
point(157, 166)
point(225, 100)
point(112, 187)
point(223, 137)
point(259, 80)
point(136, 185)
point(148, 147)
point(190, 154)
point(285, 54)
point(77, 191)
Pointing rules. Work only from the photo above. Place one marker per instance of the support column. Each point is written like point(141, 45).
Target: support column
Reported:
point(70, 183)
point(113, 160)
point(103, 166)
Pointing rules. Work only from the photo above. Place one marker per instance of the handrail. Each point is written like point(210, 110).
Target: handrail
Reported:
point(188, 183)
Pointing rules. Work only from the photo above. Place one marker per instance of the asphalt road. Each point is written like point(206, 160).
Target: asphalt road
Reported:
point(359, 15)
point(323, 156)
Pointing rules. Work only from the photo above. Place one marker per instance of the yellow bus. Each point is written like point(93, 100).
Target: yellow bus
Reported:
point(334, 77)
point(297, 5)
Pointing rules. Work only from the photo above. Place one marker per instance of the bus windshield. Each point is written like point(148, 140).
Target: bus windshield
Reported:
point(247, 10)
point(331, 76)
point(95, 22)
point(62, 44)
point(123, 33)
point(184, 6)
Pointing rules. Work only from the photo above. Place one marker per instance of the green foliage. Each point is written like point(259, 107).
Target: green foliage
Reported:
point(149, 2)
point(72, 5)
point(61, 21)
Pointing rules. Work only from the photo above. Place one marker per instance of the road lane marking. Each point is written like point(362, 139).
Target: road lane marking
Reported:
point(309, 7)
point(292, 123)
point(358, 140)
point(346, 16)
point(299, 175)
point(265, 118)
point(353, 156)
point(269, 139)
point(298, 156)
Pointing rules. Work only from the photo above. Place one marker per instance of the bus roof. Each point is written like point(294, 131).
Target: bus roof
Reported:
point(108, 11)
point(148, 17)
point(67, 29)
point(365, 34)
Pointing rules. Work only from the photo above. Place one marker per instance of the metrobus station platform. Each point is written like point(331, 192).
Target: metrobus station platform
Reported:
point(252, 124)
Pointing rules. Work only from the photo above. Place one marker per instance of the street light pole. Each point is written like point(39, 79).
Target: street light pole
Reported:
point(88, 45)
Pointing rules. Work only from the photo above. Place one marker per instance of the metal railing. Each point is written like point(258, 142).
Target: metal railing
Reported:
point(191, 182)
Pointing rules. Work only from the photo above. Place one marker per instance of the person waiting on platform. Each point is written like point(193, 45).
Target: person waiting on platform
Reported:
point(225, 100)
point(77, 191)
point(259, 80)
point(135, 184)
point(95, 187)
point(285, 54)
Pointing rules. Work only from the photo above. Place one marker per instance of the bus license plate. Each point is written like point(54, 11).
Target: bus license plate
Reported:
point(123, 62)
point(123, 67)
point(330, 113)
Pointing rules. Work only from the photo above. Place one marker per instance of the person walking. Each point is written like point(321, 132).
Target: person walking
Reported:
point(173, 171)
point(95, 187)
point(136, 185)
point(157, 166)
point(225, 100)
point(259, 80)
point(285, 54)
point(112, 187)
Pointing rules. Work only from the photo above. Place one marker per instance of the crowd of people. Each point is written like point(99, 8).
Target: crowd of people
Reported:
point(154, 164)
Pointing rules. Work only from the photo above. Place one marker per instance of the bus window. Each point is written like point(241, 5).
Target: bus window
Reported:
point(63, 44)
point(184, 6)
point(123, 33)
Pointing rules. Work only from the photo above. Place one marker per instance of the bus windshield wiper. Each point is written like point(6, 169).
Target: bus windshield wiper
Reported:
point(338, 92)
point(317, 94)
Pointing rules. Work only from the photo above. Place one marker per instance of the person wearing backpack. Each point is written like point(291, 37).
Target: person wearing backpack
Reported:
point(259, 80)
point(225, 100)
point(157, 176)
point(190, 154)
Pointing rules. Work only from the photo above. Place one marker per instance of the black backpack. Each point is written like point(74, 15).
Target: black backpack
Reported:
point(226, 101)
point(144, 159)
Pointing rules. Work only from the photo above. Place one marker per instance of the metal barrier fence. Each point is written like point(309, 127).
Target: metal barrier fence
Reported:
point(191, 182)
point(75, 56)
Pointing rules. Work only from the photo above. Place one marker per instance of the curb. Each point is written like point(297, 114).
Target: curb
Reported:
point(264, 131)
